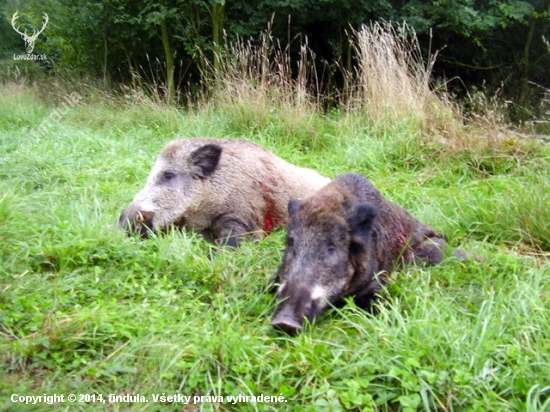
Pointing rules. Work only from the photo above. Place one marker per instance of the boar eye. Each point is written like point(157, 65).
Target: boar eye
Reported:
point(331, 249)
point(289, 241)
point(167, 176)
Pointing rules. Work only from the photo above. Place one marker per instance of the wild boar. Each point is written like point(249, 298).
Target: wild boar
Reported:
point(343, 241)
point(225, 189)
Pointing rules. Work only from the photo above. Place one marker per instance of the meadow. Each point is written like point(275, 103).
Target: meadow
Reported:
point(86, 309)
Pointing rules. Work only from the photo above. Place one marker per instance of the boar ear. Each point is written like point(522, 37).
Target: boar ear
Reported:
point(361, 221)
point(293, 207)
point(205, 159)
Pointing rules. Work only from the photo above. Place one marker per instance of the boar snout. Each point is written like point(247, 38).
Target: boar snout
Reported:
point(295, 307)
point(138, 222)
point(286, 321)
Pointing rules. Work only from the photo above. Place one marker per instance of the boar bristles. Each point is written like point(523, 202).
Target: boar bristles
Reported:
point(324, 207)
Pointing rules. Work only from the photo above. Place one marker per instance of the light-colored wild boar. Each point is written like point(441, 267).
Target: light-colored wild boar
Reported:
point(225, 189)
point(343, 241)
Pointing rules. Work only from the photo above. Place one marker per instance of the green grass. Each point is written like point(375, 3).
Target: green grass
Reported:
point(86, 309)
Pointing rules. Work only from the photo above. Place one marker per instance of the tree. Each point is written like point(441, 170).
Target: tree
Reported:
point(489, 42)
point(497, 43)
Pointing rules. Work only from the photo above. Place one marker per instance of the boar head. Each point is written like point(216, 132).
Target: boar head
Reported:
point(175, 187)
point(326, 235)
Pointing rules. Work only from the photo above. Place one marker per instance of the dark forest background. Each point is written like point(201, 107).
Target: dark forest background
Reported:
point(498, 47)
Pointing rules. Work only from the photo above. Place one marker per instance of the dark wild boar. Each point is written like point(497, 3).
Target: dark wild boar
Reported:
point(223, 189)
point(343, 241)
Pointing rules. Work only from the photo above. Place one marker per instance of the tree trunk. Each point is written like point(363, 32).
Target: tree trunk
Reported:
point(524, 92)
point(105, 53)
point(169, 56)
point(527, 64)
point(217, 30)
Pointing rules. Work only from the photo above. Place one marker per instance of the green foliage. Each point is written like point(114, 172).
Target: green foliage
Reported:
point(170, 44)
point(87, 309)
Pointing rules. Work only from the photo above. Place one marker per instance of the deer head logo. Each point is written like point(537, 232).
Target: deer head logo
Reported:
point(29, 40)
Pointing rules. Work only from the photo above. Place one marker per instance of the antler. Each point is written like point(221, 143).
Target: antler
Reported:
point(46, 19)
point(34, 32)
point(14, 18)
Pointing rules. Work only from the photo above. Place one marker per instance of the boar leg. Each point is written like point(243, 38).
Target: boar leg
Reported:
point(228, 230)
point(273, 286)
point(367, 293)
point(430, 251)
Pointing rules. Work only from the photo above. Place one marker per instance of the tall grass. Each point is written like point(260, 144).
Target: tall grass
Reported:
point(255, 85)
point(392, 81)
point(260, 84)
point(259, 73)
